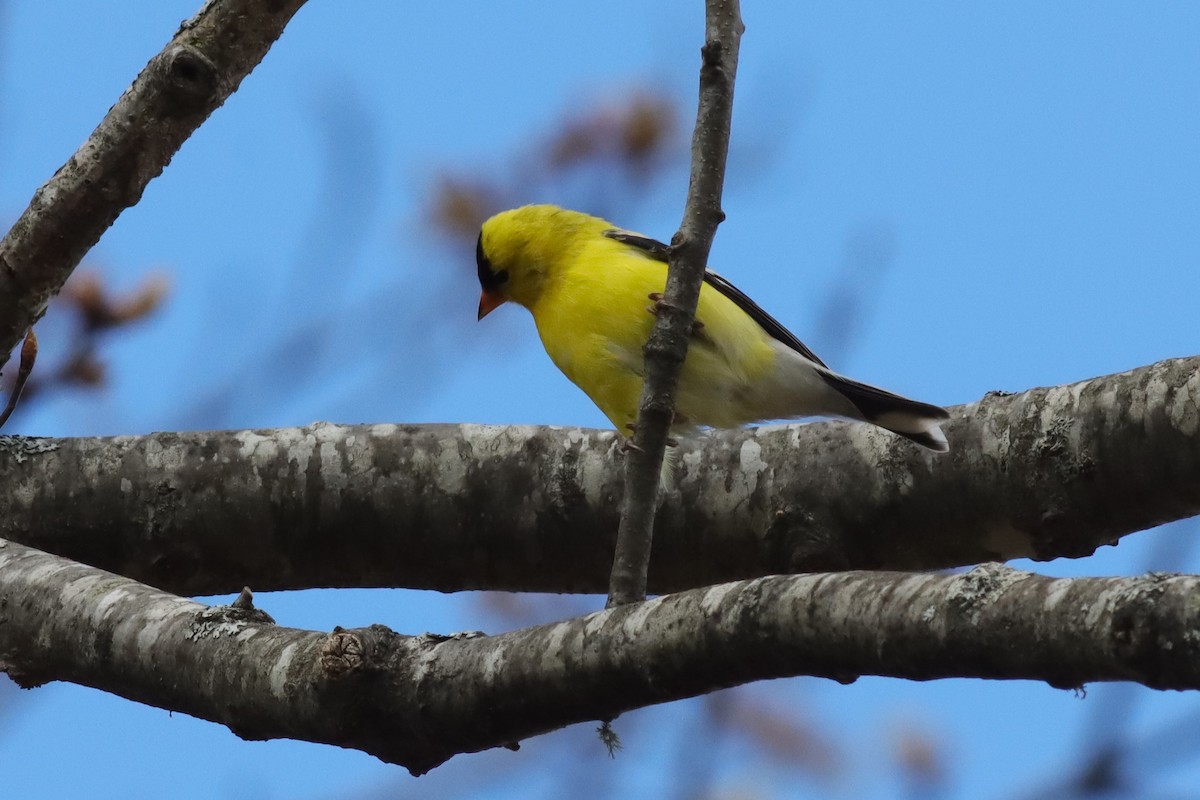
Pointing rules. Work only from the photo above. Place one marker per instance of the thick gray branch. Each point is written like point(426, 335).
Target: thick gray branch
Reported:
point(417, 701)
point(194, 74)
point(1050, 472)
point(668, 343)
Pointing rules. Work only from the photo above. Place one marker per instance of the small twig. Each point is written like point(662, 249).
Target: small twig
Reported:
point(244, 600)
point(667, 346)
point(177, 91)
point(28, 357)
point(609, 738)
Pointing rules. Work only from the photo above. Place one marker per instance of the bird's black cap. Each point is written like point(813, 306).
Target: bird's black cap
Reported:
point(489, 280)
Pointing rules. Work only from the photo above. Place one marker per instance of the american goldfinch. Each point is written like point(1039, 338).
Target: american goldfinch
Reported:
point(592, 288)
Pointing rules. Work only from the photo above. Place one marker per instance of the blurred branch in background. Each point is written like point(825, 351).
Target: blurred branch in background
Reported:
point(302, 340)
point(920, 759)
point(4, 47)
point(1129, 766)
point(857, 280)
point(599, 160)
point(780, 733)
point(78, 324)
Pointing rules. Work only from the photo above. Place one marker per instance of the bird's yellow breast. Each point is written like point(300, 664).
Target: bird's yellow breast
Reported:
point(593, 319)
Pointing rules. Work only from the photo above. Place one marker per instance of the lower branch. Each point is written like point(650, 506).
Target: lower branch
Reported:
point(1050, 472)
point(417, 701)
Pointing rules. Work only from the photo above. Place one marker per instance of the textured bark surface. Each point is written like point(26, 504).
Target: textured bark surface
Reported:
point(194, 74)
point(1050, 472)
point(417, 701)
point(667, 346)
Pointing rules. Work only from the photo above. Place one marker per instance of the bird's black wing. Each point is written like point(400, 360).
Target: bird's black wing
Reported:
point(659, 252)
point(652, 247)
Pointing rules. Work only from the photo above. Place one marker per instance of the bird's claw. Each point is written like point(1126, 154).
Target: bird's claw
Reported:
point(627, 444)
point(660, 304)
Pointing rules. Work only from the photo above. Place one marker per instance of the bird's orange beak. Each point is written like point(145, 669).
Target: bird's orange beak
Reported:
point(489, 300)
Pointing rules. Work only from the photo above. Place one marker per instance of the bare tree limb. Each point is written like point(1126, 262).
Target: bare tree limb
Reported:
point(1048, 473)
point(668, 343)
point(417, 701)
point(194, 74)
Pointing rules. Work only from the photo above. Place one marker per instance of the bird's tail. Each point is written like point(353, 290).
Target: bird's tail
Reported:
point(919, 422)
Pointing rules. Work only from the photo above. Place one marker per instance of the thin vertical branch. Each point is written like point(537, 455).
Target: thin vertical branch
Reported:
point(177, 91)
point(667, 346)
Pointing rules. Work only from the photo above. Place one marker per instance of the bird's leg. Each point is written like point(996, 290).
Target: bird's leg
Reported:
point(628, 444)
point(660, 304)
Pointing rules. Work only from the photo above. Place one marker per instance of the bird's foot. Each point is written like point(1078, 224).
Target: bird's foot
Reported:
point(660, 304)
point(628, 444)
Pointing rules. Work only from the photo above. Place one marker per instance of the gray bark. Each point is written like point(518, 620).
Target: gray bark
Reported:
point(417, 701)
point(1048, 473)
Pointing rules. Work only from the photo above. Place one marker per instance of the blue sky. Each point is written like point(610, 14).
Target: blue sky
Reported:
point(1033, 168)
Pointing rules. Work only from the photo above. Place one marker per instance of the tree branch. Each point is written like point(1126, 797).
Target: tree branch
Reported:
point(417, 701)
point(667, 346)
point(1047, 473)
point(194, 74)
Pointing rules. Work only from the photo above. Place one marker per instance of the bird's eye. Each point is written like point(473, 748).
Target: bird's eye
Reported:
point(489, 278)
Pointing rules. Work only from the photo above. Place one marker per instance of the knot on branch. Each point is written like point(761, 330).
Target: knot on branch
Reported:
point(192, 78)
point(215, 622)
point(341, 654)
point(659, 408)
point(711, 53)
point(978, 589)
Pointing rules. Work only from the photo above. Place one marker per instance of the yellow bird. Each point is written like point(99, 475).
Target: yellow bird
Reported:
point(589, 286)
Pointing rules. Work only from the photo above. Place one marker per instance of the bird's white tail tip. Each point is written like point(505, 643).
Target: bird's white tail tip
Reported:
point(924, 430)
